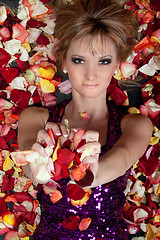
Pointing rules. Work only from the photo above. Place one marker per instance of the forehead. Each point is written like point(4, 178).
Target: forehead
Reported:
point(97, 45)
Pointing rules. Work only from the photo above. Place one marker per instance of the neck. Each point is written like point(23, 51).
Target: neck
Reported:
point(95, 107)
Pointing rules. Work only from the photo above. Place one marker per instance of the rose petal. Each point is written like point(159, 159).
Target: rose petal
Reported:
point(56, 196)
point(71, 223)
point(84, 224)
point(19, 32)
point(75, 192)
point(9, 73)
point(4, 57)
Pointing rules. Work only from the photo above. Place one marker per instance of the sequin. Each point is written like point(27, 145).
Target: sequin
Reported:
point(104, 206)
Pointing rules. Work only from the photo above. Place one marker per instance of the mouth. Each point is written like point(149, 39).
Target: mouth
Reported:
point(91, 86)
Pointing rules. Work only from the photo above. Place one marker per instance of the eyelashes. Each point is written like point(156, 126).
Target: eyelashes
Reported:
point(77, 60)
point(104, 61)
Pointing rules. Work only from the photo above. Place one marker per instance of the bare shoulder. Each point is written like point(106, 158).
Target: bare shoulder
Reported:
point(137, 122)
point(35, 112)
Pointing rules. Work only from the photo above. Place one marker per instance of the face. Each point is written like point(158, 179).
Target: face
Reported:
point(90, 66)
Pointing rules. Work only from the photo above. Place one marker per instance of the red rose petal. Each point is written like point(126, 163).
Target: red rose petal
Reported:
point(11, 135)
point(32, 23)
point(9, 73)
point(61, 171)
point(7, 184)
point(42, 40)
point(4, 57)
point(87, 179)
point(20, 97)
point(29, 217)
point(116, 94)
point(22, 65)
point(44, 1)
point(3, 143)
point(23, 196)
point(71, 223)
point(2, 206)
point(65, 156)
point(148, 166)
point(75, 192)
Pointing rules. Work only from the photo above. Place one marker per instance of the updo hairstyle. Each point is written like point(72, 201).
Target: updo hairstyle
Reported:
point(79, 18)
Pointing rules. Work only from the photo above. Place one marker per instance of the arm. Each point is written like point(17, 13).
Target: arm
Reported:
point(33, 126)
point(31, 120)
point(136, 134)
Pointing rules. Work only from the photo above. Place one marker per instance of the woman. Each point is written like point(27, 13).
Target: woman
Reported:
point(94, 38)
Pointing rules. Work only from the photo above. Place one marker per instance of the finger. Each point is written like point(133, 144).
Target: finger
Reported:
point(54, 127)
point(95, 145)
point(90, 135)
point(58, 129)
point(39, 148)
point(43, 137)
point(93, 164)
point(72, 133)
point(63, 130)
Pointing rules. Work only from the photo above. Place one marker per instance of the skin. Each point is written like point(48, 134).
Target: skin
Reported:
point(90, 71)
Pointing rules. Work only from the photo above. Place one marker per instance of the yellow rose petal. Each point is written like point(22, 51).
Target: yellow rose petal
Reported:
point(54, 156)
point(133, 110)
point(46, 86)
point(25, 238)
point(8, 164)
point(155, 129)
point(27, 46)
point(118, 76)
point(154, 141)
point(47, 72)
point(158, 190)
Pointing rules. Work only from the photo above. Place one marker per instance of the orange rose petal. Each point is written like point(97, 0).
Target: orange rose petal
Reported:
point(56, 196)
point(84, 224)
point(144, 43)
point(77, 174)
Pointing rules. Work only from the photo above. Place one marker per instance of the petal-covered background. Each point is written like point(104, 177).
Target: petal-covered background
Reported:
point(28, 76)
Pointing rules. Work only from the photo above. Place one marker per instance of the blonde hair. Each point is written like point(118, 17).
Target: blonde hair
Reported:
point(80, 18)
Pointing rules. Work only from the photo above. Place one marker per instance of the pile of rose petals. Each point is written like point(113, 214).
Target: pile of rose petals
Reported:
point(63, 161)
point(28, 75)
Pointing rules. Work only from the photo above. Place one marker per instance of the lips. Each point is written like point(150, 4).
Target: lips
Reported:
point(91, 86)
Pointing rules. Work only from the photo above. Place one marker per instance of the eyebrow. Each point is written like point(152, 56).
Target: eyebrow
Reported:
point(106, 56)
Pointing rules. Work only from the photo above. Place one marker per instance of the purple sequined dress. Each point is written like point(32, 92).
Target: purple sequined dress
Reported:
point(104, 206)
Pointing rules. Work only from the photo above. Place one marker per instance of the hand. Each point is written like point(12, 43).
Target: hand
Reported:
point(44, 138)
point(91, 150)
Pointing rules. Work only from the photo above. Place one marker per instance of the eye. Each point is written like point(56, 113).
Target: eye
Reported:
point(105, 61)
point(77, 60)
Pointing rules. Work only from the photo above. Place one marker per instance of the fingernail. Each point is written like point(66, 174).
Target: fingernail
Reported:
point(58, 134)
point(65, 135)
point(74, 129)
point(51, 146)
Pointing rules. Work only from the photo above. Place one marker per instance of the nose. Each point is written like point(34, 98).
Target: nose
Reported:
point(91, 72)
